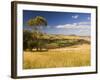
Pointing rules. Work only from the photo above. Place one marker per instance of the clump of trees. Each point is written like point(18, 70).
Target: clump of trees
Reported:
point(34, 38)
point(27, 40)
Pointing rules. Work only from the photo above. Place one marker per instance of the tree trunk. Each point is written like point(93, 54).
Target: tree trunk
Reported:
point(37, 49)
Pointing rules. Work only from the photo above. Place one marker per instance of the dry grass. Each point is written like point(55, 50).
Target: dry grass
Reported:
point(78, 55)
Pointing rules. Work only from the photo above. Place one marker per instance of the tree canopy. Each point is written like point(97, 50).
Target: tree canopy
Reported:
point(37, 22)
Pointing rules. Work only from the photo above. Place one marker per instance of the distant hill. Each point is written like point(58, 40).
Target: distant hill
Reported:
point(61, 36)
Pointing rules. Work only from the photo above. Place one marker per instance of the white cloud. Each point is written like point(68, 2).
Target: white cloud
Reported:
point(84, 23)
point(80, 25)
point(66, 25)
point(75, 16)
point(88, 18)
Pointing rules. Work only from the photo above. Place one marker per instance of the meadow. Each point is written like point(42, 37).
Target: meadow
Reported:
point(76, 55)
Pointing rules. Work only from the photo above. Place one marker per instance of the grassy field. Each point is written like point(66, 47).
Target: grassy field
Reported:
point(73, 56)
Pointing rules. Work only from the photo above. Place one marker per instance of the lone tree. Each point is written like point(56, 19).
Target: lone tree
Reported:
point(37, 25)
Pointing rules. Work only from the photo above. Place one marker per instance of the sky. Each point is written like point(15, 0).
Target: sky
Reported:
point(66, 23)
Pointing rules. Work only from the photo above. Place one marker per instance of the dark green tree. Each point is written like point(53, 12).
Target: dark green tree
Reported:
point(27, 39)
point(37, 24)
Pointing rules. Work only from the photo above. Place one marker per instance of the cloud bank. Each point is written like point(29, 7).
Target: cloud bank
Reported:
point(80, 25)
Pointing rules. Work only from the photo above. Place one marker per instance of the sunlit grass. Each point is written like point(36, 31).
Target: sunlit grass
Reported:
point(78, 55)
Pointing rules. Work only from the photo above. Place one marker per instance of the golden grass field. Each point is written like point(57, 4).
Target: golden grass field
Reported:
point(73, 56)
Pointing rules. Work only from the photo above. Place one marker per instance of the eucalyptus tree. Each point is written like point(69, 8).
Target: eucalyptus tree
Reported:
point(37, 24)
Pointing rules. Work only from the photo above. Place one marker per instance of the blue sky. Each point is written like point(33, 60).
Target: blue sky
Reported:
point(66, 23)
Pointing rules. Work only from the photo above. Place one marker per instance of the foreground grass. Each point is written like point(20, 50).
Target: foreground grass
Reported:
point(78, 55)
